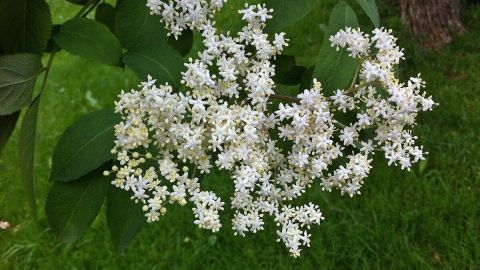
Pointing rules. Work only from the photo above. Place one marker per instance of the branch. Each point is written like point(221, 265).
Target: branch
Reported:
point(286, 98)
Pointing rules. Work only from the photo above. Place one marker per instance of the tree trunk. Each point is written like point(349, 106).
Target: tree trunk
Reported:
point(434, 21)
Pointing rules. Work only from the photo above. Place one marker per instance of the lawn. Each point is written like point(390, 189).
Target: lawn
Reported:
point(422, 219)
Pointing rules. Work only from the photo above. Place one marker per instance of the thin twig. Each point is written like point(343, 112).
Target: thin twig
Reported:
point(87, 8)
point(351, 89)
point(47, 71)
point(94, 4)
point(355, 89)
point(286, 98)
point(84, 11)
point(354, 80)
point(339, 124)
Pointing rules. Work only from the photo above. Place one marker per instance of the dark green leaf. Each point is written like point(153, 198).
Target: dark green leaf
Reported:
point(292, 77)
point(371, 10)
point(7, 122)
point(51, 45)
point(105, 13)
point(78, 2)
point(17, 78)
point(161, 62)
point(84, 146)
point(72, 207)
point(89, 39)
point(307, 79)
point(286, 70)
point(24, 26)
point(286, 13)
point(184, 42)
point(27, 140)
point(284, 63)
point(335, 69)
point(125, 218)
point(135, 27)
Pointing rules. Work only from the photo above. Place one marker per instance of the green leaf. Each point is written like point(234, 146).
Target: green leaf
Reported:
point(89, 39)
point(135, 27)
point(106, 14)
point(397, 71)
point(72, 207)
point(24, 26)
point(161, 62)
point(27, 140)
point(212, 240)
point(335, 69)
point(286, 13)
point(84, 146)
point(371, 10)
point(422, 165)
point(17, 78)
point(286, 70)
point(342, 16)
point(184, 42)
point(125, 218)
point(7, 122)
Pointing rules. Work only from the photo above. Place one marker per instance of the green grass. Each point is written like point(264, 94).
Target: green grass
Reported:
point(403, 220)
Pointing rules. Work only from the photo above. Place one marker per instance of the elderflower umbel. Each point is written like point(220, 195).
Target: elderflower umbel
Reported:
point(166, 138)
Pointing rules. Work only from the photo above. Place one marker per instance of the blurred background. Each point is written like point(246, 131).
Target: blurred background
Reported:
point(423, 219)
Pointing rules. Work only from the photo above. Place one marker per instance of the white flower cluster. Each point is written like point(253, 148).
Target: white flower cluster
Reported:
point(182, 14)
point(166, 137)
point(389, 105)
